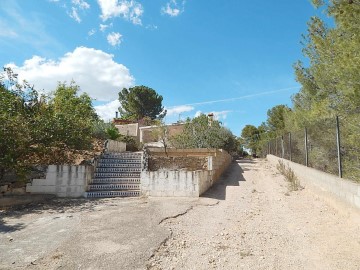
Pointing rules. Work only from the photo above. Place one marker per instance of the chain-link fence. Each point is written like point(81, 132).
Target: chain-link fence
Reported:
point(330, 145)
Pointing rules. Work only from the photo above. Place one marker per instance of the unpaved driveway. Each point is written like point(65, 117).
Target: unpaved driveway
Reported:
point(248, 220)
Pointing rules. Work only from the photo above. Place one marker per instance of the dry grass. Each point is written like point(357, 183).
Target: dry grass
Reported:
point(290, 177)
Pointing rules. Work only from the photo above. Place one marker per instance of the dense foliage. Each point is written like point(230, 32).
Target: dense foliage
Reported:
point(35, 126)
point(330, 87)
point(199, 133)
point(139, 102)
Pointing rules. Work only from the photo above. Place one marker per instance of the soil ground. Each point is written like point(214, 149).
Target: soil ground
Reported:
point(248, 220)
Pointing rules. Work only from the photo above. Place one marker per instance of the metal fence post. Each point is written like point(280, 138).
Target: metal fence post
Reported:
point(306, 149)
point(338, 146)
point(290, 157)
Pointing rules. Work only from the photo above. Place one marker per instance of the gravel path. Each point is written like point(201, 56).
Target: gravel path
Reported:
point(258, 224)
point(248, 220)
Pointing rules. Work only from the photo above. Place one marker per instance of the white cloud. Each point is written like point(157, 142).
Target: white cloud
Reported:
point(221, 115)
point(172, 8)
point(104, 26)
point(80, 4)
point(114, 39)
point(198, 113)
point(178, 109)
point(107, 111)
point(73, 8)
point(127, 9)
point(91, 32)
point(74, 14)
point(93, 70)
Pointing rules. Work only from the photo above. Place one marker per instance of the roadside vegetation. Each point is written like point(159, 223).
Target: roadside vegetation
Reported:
point(289, 175)
point(330, 87)
point(39, 129)
point(202, 132)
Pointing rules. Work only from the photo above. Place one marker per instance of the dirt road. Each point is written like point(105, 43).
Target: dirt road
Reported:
point(248, 220)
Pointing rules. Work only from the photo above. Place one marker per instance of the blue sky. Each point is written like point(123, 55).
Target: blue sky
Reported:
point(230, 57)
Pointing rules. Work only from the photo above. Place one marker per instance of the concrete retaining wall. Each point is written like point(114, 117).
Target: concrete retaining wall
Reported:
point(343, 189)
point(174, 183)
point(182, 183)
point(129, 129)
point(218, 163)
point(115, 146)
point(146, 133)
point(62, 181)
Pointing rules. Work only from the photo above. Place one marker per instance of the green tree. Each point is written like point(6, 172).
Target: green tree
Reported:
point(251, 136)
point(74, 116)
point(198, 133)
point(161, 133)
point(139, 102)
point(276, 120)
point(19, 106)
point(330, 84)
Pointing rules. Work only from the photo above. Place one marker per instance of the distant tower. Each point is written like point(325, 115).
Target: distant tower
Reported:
point(211, 118)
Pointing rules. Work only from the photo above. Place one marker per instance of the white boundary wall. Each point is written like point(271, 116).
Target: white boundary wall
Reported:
point(115, 146)
point(183, 183)
point(62, 181)
point(343, 189)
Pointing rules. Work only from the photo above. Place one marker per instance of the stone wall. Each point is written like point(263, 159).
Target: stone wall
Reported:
point(146, 133)
point(115, 146)
point(62, 181)
point(343, 189)
point(170, 182)
point(180, 183)
point(129, 129)
point(156, 163)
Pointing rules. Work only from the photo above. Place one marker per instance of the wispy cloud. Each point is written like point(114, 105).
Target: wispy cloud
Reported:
point(179, 109)
point(218, 115)
point(74, 14)
point(23, 27)
point(114, 39)
point(242, 97)
point(173, 9)
point(73, 8)
point(80, 4)
point(103, 27)
point(129, 10)
point(91, 32)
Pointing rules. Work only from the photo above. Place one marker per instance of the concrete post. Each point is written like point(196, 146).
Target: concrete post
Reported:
point(290, 157)
point(306, 149)
point(338, 146)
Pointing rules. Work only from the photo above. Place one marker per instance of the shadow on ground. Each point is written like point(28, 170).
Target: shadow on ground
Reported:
point(232, 176)
point(48, 204)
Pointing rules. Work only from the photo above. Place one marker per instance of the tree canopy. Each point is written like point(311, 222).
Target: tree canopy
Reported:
point(139, 102)
point(198, 133)
point(34, 125)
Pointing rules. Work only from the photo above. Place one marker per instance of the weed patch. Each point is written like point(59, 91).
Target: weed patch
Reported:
point(290, 177)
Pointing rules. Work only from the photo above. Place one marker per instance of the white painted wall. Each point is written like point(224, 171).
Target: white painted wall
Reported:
point(182, 183)
point(345, 190)
point(62, 181)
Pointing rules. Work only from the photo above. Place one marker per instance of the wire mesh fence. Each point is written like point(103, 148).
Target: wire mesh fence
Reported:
point(331, 145)
point(350, 147)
